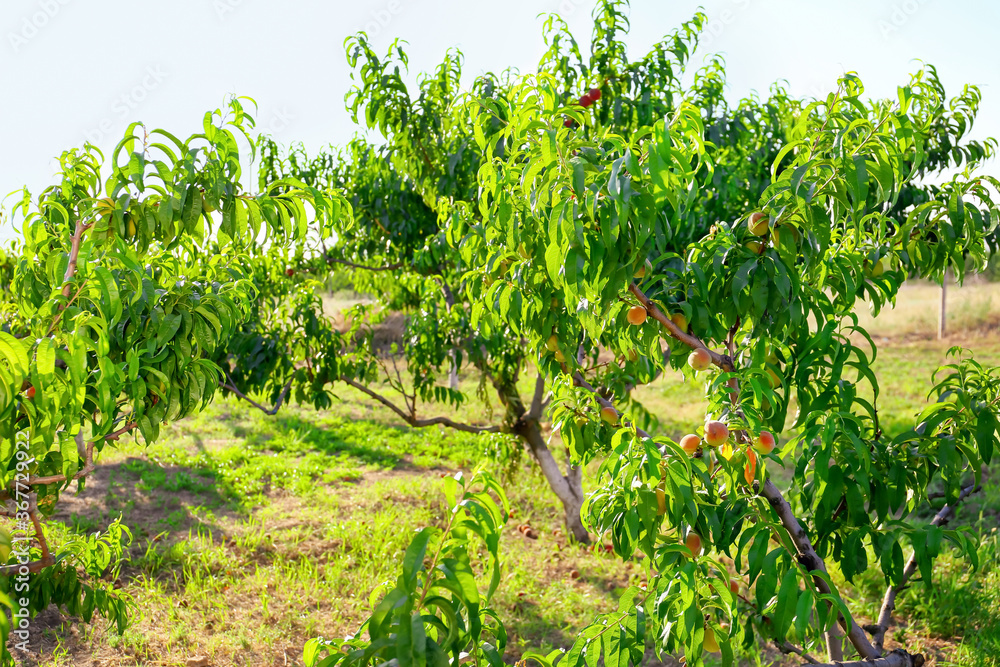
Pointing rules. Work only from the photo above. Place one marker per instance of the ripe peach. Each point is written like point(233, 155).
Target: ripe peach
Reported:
point(609, 414)
point(734, 587)
point(765, 443)
point(636, 315)
point(693, 543)
point(680, 320)
point(690, 443)
point(758, 224)
point(716, 433)
point(700, 359)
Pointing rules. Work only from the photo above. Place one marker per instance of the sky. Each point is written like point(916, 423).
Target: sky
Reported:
point(81, 70)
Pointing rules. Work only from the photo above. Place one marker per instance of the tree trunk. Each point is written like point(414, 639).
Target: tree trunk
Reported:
point(568, 488)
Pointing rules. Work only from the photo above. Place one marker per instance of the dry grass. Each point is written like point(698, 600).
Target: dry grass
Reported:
point(973, 310)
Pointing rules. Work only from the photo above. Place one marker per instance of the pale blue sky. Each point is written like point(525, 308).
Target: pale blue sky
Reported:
point(77, 69)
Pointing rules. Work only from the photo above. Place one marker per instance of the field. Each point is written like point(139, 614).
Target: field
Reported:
point(255, 533)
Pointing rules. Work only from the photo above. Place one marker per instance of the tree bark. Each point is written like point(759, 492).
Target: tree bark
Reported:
point(568, 488)
point(526, 425)
point(889, 601)
point(897, 658)
point(810, 559)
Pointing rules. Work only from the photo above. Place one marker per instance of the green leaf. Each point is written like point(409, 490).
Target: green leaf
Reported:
point(986, 426)
point(413, 559)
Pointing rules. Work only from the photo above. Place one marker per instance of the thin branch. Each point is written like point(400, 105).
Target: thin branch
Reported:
point(267, 411)
point(787, 648)
point(413, 420)
point(390, 267)
point(74, 257)
point(40, 534)
point(889, 601)
point(34, 566)
point(722, 361)
point(88, 467)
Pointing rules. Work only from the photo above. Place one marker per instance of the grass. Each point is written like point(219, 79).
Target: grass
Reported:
point(255, 533)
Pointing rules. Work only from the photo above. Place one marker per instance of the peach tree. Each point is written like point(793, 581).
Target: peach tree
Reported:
point(623, 229)
point(405, 193)
point(122, 283)
point(761, 309)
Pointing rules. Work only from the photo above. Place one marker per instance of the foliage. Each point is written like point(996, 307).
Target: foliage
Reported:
point(591, 207)
point(436, 614)
point(122, 288)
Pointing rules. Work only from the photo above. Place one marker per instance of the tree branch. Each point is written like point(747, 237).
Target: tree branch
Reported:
point(74, 257)
point(267, 411)
point(898, 658)
point(38, 565)
point(889, 601)
point(535, 411)
point(390, 267)
point(722, 361)
point(787, 648)
point(412, 420)
point(812, 562)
